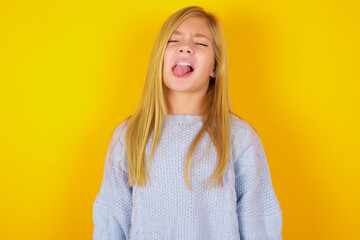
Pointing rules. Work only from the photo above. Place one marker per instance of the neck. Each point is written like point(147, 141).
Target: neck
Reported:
point(185, 103)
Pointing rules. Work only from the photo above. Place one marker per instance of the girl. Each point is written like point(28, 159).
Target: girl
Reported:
point(183, 166)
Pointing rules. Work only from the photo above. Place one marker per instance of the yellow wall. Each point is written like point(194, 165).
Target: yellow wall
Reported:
point(70, 71)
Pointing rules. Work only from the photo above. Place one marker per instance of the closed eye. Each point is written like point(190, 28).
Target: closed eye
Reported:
point(202, 44)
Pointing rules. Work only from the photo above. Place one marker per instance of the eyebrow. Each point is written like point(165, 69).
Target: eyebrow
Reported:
point(195, 35)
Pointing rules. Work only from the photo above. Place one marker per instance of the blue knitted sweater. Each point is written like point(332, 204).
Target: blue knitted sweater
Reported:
point(245, 208)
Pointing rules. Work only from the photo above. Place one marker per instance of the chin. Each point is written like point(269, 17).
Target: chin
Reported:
point(178, 88)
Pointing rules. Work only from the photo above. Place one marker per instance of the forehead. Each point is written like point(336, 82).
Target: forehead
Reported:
point(196, 26)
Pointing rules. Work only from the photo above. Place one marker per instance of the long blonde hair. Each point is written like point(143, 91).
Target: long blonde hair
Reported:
point(152, 107)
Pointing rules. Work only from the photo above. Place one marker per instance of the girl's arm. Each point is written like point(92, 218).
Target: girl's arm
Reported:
point(259, 212)
point(112, 205)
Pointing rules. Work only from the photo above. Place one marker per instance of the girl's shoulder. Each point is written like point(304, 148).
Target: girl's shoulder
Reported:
point(244, 136)
point(239, 125)
point(118, 133)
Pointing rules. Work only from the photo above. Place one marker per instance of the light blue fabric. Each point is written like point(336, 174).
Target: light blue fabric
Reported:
point(245, 208)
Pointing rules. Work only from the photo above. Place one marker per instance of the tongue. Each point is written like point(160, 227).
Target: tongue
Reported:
point(181, 70)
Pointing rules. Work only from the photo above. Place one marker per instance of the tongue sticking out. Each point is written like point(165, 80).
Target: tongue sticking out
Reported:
point(181, 70)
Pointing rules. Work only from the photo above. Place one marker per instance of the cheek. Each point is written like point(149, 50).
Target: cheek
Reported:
point(210, 63)
point(166, 56)
point(165, 68)
point(166, 63)
point(209, 59)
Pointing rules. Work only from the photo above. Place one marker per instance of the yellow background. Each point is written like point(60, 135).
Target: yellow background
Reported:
point(71, 71)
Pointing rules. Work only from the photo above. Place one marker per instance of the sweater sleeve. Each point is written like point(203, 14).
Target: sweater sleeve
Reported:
point(258, 209)
point(112, 205)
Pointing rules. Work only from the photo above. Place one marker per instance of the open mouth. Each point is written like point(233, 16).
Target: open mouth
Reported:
point(182, 69)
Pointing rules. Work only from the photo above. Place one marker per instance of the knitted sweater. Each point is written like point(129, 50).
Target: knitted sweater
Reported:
point(246, 207)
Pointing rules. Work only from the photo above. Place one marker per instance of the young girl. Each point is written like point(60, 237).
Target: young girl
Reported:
point(183, 166)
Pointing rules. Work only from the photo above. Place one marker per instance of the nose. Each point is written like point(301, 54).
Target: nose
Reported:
point(185, 48)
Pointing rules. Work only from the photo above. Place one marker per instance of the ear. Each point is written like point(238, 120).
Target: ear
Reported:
point(213, 73)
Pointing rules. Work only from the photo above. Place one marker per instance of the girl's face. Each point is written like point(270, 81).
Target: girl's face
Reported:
point(189, 57)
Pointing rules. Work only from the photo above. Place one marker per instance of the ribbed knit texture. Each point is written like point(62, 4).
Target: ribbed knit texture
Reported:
point(245, 208)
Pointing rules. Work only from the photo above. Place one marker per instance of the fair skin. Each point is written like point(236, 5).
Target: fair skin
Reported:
point(191, 41)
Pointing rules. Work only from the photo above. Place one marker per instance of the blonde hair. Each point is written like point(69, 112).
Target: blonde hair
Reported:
point(152, 107)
